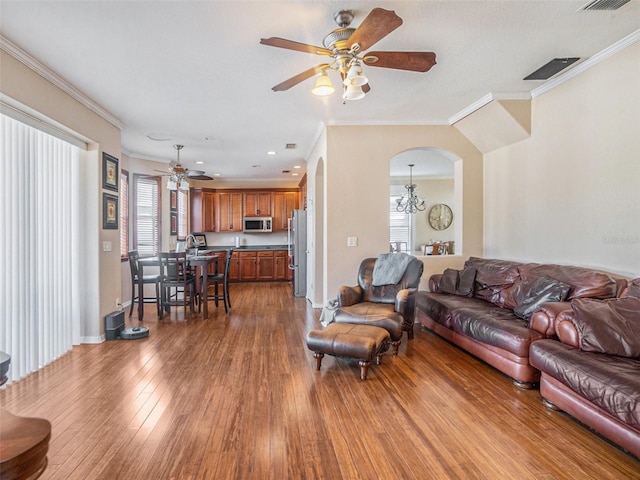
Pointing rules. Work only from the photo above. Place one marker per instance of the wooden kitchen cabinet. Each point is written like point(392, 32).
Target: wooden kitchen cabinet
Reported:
point(280, 266)
point(283, 204)
point(229, 207)
point(234, 267)
point(264, 270)
point(248, 266)
point(257, 204)
point(203, 218)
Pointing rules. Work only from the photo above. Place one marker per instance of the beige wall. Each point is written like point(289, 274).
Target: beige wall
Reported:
point(357, 189)
point(571, 193)
point(22, 84)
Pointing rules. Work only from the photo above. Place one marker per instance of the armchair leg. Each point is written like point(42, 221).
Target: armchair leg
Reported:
point(318, 356)
point(395, 346)
point(364, 368)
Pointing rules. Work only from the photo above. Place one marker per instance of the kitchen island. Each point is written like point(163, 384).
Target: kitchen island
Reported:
point(254, 263)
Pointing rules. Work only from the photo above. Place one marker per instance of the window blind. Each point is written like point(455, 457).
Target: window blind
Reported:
point(41, 274)
point(183, 202)
point(147, 228)
point(400, 224)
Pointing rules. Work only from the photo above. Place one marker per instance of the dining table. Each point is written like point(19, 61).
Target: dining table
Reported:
point(201, 262)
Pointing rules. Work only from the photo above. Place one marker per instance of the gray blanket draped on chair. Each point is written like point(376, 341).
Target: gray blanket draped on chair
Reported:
point(389, 268)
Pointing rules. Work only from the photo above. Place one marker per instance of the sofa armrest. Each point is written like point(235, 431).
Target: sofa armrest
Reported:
point(543, 320)
point(434, 283)
point(348, 296)
point(405, 298)
point(566, 329)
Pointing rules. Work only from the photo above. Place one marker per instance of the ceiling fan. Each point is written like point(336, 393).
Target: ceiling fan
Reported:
point(179, 174)
point(345, 47)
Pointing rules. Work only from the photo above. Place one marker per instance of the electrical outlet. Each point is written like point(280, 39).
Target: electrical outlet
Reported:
point(118, 304)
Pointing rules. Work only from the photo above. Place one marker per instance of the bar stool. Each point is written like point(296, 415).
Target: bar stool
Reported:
point(218, 278)
point(175, 275)
point(146, 279)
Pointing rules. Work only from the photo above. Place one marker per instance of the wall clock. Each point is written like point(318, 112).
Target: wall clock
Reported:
point(440, 216)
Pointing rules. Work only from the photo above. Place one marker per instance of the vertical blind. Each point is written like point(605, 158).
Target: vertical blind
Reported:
point(147, 233)
point(124, 213)
point(39, 306)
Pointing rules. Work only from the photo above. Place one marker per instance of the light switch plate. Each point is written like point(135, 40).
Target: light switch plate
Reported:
point(352, 241)
point(106, 246)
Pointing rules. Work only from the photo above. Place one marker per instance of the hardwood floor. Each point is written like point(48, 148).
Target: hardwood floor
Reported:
point(237, 396)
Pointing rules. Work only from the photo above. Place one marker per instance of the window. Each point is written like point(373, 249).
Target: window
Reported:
point(183, 211)
point(400, 225)
point(146, 209)
point(124, 214)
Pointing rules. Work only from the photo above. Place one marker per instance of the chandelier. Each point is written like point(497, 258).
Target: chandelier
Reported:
point(412, 203)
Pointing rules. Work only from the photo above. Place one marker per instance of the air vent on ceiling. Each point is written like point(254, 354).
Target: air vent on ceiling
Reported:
point(605, 4)
point(550, 69)
point(290, 146)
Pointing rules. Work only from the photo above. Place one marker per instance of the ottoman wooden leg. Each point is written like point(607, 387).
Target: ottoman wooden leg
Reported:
point(364, 368)
point(318, 356)
point(395, 346)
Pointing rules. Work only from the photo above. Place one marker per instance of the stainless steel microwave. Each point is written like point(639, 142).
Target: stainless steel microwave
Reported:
point(256, 224)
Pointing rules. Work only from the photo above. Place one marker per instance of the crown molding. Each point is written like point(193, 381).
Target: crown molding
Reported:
point(46, 73)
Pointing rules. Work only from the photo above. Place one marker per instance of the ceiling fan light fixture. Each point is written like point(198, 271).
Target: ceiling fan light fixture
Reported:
point(323, 86)
point(353, 92)
point(355, 76)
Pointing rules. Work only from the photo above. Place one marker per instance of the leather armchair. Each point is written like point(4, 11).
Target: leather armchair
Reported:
point(391, 307)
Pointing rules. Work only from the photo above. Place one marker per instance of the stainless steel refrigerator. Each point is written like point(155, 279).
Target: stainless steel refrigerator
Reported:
point(297, 243)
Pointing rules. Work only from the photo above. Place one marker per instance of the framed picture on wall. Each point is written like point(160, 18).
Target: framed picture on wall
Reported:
point(173, 200)
point(109, 211)
point(174, 223)
point(109, 172)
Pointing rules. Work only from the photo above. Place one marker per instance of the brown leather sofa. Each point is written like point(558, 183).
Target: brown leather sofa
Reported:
point(387, 306)
point(475, 309)
point(593, 371)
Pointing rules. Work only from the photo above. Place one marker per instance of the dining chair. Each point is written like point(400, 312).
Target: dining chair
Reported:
point(218, 279)
point(177, 284)
point(136, 295)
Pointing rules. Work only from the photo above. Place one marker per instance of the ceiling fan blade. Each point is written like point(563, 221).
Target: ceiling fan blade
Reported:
point(199, 177)
point(287, 84)
point(413, 61)
point(291, 45)
point(378, 24)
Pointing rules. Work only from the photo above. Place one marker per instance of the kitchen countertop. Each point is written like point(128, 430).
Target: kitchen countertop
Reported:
point(249, 248)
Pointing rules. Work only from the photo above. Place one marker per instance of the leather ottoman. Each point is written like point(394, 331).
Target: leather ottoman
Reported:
point(362, 342)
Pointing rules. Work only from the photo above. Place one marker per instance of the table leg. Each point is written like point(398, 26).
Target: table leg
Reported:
point(205, 291)
point(140, 292)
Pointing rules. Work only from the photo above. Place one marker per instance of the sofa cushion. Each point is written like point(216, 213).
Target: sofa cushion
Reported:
point(632, 289)
point(610, 382)
point(458, 282)
point(495, 326)
point(608, 326)
point(438, 306)
point(544, 289)
point(494, 279)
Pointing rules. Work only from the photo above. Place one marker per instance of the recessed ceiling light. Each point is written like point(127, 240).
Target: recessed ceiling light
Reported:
point(271, 152)
point(297, 166)
point(216, 174)
point(199, 162)
point(295, 174)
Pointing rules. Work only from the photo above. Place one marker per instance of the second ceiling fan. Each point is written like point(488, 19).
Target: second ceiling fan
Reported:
point(345, 46)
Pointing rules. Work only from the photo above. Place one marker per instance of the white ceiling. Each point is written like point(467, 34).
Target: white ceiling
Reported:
point(194, 72)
